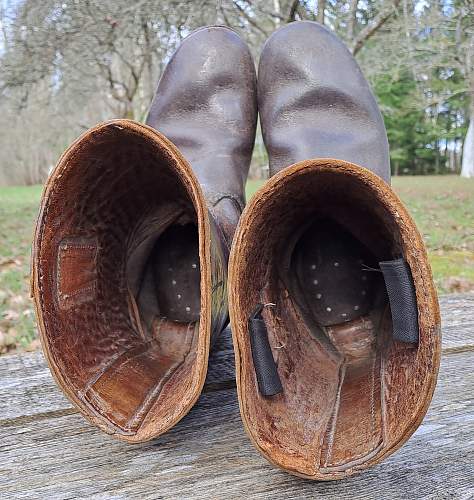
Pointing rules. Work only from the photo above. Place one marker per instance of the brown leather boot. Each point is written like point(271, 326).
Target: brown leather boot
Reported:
point(130, 253)
point(333, 310)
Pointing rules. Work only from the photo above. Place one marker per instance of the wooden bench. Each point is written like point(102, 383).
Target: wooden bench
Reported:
point(49, 451)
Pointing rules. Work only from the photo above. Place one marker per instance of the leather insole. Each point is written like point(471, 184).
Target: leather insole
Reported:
point(177, 277)
point(334, 282)
point(128, 387)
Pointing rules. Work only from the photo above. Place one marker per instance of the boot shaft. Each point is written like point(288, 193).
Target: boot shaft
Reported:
point(314, 102)
point(205, 103)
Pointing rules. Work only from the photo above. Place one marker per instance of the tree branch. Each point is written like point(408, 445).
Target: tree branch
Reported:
point(293, 10)
point(379, 20)
point(249, 19)
point(352, 19)
point(321, 7)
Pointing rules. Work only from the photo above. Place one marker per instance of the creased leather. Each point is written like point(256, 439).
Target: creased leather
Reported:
point(314, 102)
point(206, 104)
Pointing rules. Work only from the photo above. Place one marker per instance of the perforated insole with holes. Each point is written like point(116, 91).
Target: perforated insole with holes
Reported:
point(175, 260)
point(329, 271)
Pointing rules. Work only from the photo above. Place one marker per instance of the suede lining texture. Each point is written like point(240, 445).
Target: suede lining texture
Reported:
point(130, 370)
point(352, 394)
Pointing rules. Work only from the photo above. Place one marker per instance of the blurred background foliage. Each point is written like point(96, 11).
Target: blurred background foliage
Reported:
point(66, 65)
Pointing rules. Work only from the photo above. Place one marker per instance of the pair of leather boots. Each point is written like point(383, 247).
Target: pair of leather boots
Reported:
point(333, 311)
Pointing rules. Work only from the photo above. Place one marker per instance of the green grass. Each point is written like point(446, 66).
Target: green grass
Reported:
point(443, 208)
point(252, 187)
point(18, 210)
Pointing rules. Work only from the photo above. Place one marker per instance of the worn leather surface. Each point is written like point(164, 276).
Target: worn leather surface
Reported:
point(314, 102)
point(310, 243)
point(206, 104)
point(113, 346)
point(352, 393)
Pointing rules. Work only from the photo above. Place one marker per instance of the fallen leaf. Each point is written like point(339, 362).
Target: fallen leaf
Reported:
point(17, 299)
point(458, 284)
point(34, 345)
point(5, 263)
point(10, 315)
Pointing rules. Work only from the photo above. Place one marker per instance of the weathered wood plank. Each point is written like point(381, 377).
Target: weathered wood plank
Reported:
point(50, 451)
point(207, 455)
point(28, 390)
point(457, 322)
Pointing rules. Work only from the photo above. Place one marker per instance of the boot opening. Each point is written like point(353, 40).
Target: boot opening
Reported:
point(120, 280)
point(311, 256)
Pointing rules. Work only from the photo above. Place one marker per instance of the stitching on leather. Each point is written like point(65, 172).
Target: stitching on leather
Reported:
point(372, 394)
point(402, 223)
point(334, 413)
point(415, 253)
point(107, 375)
point(63, 298)
point(66, 296)
point(55, 181)
point(373, 432)
point(132, 426)
point(350, 463)
point(140, 414)
point(76, 150)
point(216, 197)
point(427, 307)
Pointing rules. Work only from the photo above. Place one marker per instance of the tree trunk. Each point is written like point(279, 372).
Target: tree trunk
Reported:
point(467, 166)
point(277, 9)
point(467, 169)
point(352, 19)
point(321, 7)
point(370, 29)
point(437, 158)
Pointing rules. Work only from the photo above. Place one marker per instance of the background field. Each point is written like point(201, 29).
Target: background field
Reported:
point(442, 206)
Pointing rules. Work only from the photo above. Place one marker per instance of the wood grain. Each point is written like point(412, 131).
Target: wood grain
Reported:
point(49, 451)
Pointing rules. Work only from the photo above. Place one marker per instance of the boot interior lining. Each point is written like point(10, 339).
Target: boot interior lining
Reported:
point(332, 343)
point(333, 282)
point(121, 327)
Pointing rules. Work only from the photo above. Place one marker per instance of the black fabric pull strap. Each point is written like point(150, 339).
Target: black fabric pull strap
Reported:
point(268, 380)
point(402, 297)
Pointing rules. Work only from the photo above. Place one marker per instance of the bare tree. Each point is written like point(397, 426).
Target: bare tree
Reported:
point(69, 64)
point(468, 64)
